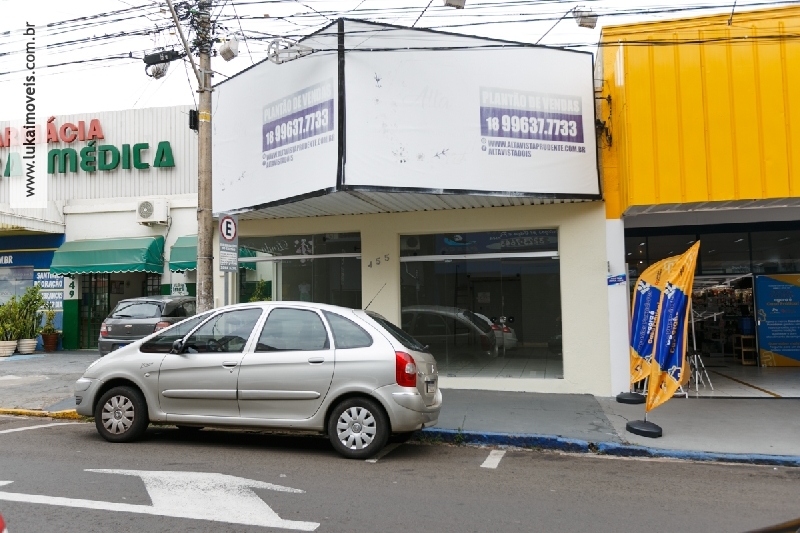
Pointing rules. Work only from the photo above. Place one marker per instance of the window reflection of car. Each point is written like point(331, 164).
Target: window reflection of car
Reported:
point(450, 331)
point(505, 334)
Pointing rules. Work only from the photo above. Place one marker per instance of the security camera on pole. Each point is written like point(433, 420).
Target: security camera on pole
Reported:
point(201, 22)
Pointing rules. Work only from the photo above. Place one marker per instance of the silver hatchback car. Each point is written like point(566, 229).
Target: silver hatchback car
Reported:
point(352, 375)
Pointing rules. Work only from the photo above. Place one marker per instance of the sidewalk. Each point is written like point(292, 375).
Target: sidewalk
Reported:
point(717, 425)
point(746, 426)
point(42, 381)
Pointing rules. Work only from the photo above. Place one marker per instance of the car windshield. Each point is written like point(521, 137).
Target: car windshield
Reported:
point(484, 326)
point(401, 336)
point(137, 310)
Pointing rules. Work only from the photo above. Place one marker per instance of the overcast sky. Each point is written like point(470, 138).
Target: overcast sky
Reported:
point(123, 84)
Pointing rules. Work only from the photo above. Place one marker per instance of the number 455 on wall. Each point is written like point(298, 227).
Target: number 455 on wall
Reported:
point(378, 261)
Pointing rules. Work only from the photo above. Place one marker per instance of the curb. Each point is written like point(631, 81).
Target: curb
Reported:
point(554, 442)
point(626, 450)
point(550, 442)
point(69, 414)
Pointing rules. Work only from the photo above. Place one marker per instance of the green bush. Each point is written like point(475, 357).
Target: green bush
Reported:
point(10, 320)
point(30, 313)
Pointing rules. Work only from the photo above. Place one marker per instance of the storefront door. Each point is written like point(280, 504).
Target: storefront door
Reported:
point(95, 307)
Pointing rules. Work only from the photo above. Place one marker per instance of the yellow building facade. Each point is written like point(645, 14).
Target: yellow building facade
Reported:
point(699, 139)
point(699, 110)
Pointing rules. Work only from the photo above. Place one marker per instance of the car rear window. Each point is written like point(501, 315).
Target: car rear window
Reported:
point(475, 319)
point(137, 310)
point(401, 336)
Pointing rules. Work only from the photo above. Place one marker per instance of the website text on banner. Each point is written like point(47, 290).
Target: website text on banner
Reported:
point(668, 366)
point(644, 317)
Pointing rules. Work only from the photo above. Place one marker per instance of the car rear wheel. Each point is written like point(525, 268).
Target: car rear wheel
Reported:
point(121, 415)
point(358, 428)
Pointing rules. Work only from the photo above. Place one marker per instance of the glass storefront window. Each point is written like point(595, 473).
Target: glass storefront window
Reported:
point(725, 253)
point(332, 280)
point(14, 281)
point(636, 256)
point(662, 246)
point(776, 251)
point(494, 317)
point(486, 242)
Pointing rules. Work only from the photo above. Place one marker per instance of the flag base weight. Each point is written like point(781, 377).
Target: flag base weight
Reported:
point(644, 428)
point(631, 397)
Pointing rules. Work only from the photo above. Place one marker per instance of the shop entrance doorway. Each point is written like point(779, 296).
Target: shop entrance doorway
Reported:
point(487, 303)
point(100, 293)
point(747, 332)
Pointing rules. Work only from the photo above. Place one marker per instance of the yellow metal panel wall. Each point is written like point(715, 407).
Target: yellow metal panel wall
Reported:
point(700, 110)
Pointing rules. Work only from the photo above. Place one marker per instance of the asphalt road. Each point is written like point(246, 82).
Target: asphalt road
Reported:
point(170, 475)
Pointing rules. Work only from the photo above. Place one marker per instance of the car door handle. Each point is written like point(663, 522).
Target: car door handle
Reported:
point(230, 364)
point(316, 360)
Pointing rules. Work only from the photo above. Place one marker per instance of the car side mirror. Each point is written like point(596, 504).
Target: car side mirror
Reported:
point(177, 346)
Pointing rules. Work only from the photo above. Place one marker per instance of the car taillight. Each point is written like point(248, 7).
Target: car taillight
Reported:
point(506, 329)
point(405, 369)
point(161, 325)
point(2, 525)
point(103, 333)
point(495, 327)
point(485, 344)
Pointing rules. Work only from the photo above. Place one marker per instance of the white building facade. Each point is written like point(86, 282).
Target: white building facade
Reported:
point(122, 189)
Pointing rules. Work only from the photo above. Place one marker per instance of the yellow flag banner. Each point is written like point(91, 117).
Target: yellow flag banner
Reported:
point(668, 364)
point(644, 317)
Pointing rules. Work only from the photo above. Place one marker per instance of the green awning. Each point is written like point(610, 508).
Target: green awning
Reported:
point(183, 255)
point(104, 256)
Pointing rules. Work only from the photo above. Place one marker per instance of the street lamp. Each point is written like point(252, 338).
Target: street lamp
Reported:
point(584, 19)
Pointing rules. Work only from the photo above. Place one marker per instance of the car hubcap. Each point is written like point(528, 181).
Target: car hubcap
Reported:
point(356, 428)
point(118, 414)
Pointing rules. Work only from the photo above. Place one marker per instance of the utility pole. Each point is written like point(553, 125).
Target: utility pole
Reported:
point(205, 221)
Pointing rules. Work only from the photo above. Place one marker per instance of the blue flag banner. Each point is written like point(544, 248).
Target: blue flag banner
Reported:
point(669, 347)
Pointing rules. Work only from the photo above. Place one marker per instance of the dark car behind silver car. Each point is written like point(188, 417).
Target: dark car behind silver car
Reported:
point(135, 318)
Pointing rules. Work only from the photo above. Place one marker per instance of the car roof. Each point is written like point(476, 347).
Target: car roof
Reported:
point(441, 309)
point(310, 305)
point(159, 298)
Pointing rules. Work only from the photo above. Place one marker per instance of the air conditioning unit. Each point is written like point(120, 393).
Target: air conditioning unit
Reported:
point(410, 243)
point(151, 212)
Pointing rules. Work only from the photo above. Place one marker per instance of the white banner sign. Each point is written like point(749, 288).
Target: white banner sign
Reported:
point(498, 120)
point(275, 133)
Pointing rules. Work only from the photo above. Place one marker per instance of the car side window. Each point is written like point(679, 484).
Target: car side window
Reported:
point(346, 333)
point(226, 332)
point(162, 343)
point(429, 324)
point(293, 330)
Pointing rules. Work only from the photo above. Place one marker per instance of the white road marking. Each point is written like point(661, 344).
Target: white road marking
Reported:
point(195, 495)
point(494, 459)
point(39, 426)
point(383, 452)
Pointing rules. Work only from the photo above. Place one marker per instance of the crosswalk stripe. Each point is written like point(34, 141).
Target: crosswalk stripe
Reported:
point(494, 459)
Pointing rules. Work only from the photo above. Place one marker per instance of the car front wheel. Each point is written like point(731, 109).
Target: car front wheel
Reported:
point(121, 415)
point(358, 428)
